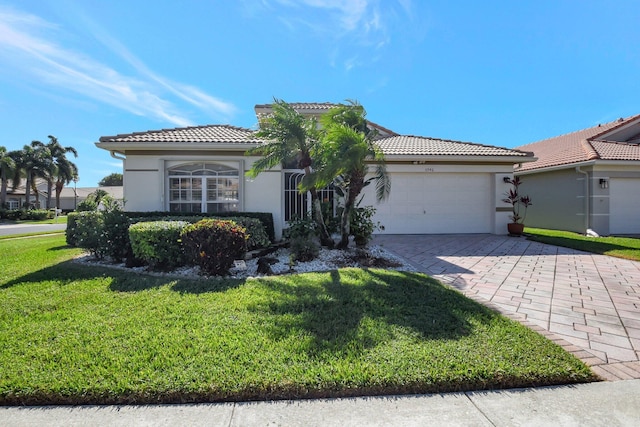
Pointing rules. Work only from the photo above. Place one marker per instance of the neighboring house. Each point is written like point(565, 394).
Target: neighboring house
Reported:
point(437, 186)
point(71, 196)
point(589, 179)
point(16, 197)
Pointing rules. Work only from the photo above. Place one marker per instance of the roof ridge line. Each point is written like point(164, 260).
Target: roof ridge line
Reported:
point(588, 149)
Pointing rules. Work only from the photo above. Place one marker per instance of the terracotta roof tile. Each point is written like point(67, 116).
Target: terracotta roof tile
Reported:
point(194, 134)
point(582, 146)
point(425, 146)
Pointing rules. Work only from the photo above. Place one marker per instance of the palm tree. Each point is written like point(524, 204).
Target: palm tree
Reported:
point(58, 171)
point(30, 161)
point(291, 136)
point(348, 149)
point(7, 165)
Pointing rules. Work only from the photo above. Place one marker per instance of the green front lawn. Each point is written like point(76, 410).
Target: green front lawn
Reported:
point(621, 247)
point(74, 334)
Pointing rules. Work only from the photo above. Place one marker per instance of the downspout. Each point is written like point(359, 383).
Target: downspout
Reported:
point(586, 197)
point(115, 154)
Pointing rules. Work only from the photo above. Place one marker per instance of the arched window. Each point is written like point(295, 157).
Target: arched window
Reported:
point(204, 187)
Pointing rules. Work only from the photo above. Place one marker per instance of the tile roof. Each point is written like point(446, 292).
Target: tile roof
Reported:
point(193, 134)
point(303, 106)
point(584, 145)
point(407, 145)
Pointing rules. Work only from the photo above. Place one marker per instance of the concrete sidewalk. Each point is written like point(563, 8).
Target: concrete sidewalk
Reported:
point(608, 404)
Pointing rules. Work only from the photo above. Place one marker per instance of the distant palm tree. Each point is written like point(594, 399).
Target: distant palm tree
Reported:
point(7, 166)
point(30, 161)
point(291, 137)
point(58, 170)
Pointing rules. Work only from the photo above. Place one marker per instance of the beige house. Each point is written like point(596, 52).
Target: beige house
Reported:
point(437, 185)
point(588, 179)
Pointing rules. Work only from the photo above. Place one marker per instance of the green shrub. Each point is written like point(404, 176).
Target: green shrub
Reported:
point(158, 243)
point(257, 236)
point(265, 217)
point(213, 245)
point(89, 227)
point(72, 225)
point(87, 205)
point(304, 249)
point(37, 214)
point(301, 227)
point(14, 214)
point(115, 236)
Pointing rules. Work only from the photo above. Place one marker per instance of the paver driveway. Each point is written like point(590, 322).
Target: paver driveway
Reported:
point(588, 303)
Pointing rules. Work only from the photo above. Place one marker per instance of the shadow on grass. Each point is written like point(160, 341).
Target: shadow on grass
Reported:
point(356, 309)
point(120, 280)
point(594, 246)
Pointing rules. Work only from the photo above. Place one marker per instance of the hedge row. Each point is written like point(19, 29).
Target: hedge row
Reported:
point(157, 243)
point(265, 218)
point(31, 214)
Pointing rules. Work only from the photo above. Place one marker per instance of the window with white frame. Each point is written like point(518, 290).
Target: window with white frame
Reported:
point(204, 187)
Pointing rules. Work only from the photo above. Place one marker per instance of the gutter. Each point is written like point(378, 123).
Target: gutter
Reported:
point(586, 197)
point(117, 155)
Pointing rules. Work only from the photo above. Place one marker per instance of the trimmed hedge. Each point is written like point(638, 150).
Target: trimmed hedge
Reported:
point(158, 243)
point(265, 218)
point(213, 245)
point(89, 227)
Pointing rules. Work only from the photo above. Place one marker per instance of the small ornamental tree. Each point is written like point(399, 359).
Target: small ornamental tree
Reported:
point(213, 245)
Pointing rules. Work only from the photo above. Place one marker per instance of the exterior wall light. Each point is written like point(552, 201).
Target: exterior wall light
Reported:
point(506, 179)
point(604, 183)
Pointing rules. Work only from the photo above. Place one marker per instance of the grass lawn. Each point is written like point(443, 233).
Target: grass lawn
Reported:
point(621, 247)
point(75, 334)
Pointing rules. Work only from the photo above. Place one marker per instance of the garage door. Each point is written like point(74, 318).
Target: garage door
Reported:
point(624, 206)
point(438, 203)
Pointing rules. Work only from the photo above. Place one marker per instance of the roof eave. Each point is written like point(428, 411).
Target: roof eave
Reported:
point(459, 158)
point(183, 146)
point(556, 167)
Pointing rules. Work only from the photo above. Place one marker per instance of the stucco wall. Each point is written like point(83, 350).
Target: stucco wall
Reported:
point(557, 198)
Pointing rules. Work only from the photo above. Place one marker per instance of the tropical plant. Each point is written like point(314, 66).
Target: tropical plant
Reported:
point(7, 166)
point(517, 201)
point(114, 179)
point(30, 162)
point(347, 150)
point(290, 137)
point(57, 170)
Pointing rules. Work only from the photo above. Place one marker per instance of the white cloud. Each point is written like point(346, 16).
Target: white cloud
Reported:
point(358, 24)
point(27, 45)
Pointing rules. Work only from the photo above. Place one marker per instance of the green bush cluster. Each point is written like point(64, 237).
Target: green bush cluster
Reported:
point(214, 244)
point(302, 233)
point(88, 230)
point(265, 218)
point(158, 243)
point(115, 235)
point(31, 214)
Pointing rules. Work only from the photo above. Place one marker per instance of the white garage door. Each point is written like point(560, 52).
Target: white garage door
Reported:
point(437, 203)
point(624, 206)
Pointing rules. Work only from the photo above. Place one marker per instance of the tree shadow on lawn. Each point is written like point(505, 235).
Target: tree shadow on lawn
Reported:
point(120, 280)
point(341, 313)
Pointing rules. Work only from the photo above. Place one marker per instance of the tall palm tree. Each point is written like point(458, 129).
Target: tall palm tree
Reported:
point(7, 165)
point(58, 171)
point(30, 161)
point(290, 136)
point(348, 150)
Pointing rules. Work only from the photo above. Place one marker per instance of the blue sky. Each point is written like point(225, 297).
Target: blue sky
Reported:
point(503, 73)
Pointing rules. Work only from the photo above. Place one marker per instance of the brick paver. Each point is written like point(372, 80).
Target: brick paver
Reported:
point(588, 303)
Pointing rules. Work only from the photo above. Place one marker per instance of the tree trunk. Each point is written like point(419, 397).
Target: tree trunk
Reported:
point(27, 192)
point(356, 184)
point(59, 185)
point(49, 189)
point(3, 190)
point(325, 238)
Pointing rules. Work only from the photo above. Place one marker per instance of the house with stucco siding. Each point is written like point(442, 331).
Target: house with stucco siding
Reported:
point(588, 179)
point(437, 185)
